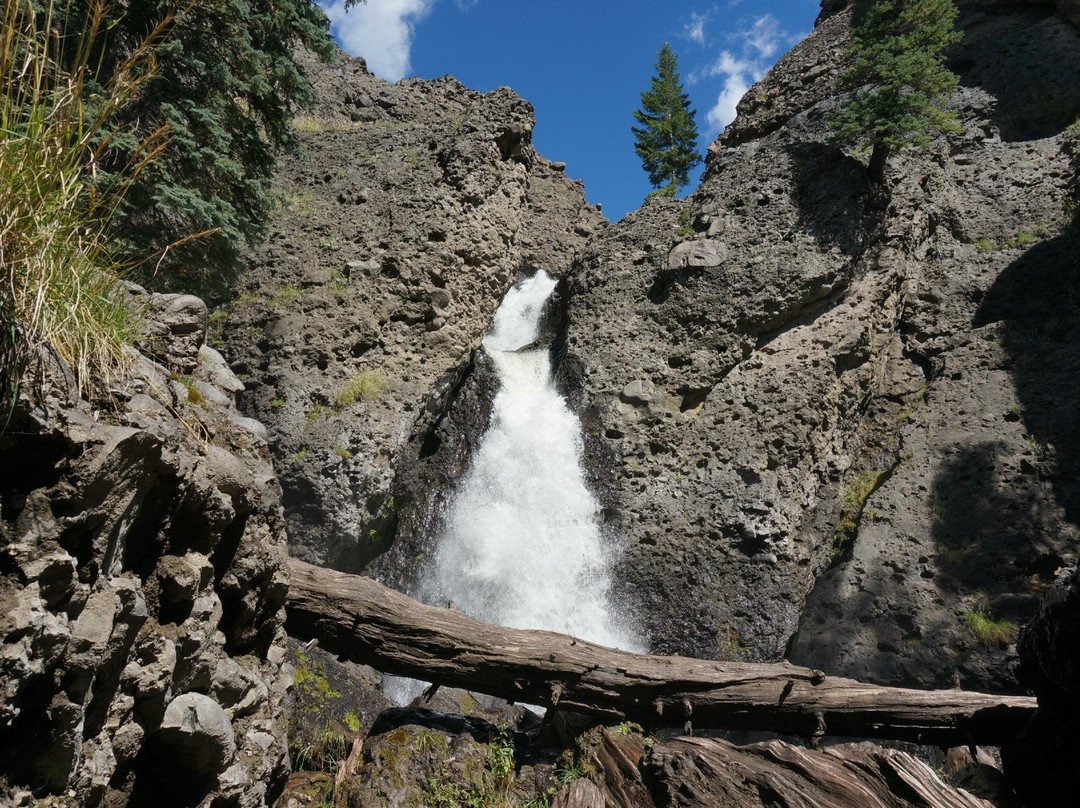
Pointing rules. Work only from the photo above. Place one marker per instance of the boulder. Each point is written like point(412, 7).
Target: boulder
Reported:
point(198, 735)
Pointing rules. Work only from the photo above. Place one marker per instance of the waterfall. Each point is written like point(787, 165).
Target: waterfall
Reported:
point(521, 545)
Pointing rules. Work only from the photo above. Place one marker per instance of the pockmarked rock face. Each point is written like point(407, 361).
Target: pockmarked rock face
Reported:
point(832, 429)
point(406, 219)
point(142, 585)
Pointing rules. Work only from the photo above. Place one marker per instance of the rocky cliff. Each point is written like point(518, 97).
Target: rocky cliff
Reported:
point(833, 428)
point(826, 420)
point(141, 584)
point(406, 220)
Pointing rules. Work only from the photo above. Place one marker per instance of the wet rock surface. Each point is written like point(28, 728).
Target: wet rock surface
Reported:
point(416, 205)
point(142, 585)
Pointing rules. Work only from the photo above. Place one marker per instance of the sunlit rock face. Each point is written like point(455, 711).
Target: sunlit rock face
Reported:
point(835, 427)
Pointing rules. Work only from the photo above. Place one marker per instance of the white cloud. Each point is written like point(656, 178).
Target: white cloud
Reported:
point(379, 30)
point(723, 111)
point(764, 35)
point(738, 75)
point(694, 30)
point(755, 47)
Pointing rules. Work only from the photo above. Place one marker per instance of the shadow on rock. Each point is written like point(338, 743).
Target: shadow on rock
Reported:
point(1036, 302)
point(830, 190)
point(1029, 61)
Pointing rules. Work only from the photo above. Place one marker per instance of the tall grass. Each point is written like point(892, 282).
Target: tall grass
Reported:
point(59, 267)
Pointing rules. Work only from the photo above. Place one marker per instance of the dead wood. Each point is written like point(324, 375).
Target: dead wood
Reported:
point(364, 621)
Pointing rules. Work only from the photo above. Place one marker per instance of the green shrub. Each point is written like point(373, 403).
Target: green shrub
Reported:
point(59, 261)
point(226, 87)
point(364, 385)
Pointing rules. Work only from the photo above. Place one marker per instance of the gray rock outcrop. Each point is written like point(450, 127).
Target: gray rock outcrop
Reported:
point(142, 581)
point(419, 203)
point(825, 428)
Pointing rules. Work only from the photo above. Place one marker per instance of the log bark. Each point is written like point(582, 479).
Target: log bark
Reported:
point(705, 771)
point(361, 620)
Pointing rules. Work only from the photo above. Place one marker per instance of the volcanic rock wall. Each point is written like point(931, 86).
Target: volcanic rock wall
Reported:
point(405, 223)
point(142, 582)
point(839, 429)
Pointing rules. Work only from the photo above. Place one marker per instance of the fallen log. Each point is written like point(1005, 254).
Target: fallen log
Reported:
point(364, 621)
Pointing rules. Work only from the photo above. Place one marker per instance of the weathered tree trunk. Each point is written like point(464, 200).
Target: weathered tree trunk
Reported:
point(695, 771)
point(359, 619)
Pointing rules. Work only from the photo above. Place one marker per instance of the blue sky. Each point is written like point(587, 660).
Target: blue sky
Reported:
point(582, 64)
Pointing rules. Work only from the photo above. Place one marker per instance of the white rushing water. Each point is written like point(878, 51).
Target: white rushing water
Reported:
point(521, 544)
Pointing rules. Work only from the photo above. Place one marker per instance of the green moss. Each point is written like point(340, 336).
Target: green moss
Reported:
point(317, 413)
point(343, 453)
point(296, 458)
point(194, 397)
point(311, 682)
point(953, 556)
point(852, 502)
point(302, 204)
point(352, 721)
point(243, 301)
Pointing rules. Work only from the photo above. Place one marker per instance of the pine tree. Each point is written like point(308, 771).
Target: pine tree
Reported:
point(897, 78)
point(667, 137)
point(225, 86)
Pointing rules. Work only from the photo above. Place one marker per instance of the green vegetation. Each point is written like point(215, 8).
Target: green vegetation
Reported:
point(990, 632)
point(489, 789)
point(284, 295)
point(364, 385)
point(317, 412)
point(59, 262)
point(328, 748)
point(311, 682)
point(1022, 238)
point(302, 204)
point(666, 140)
point(299, 456)
point(897, 79)
point(194, 397)
point(343, 453)
point(225, 87)
point(352, 721)
point(852, 502)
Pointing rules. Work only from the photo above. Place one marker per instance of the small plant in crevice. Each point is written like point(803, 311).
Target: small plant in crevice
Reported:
point(991, 632)
point(365, 385)
point(194, 397)
point(489, 789)
point(318, 412)
point(323, 753)
point(852, 504)
point(285, 295)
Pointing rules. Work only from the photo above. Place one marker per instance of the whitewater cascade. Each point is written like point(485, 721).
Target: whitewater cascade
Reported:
point(521, 545)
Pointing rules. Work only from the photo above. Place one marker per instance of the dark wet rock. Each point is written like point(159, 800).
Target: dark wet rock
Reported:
point(417, 756)
point(1041, 762)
